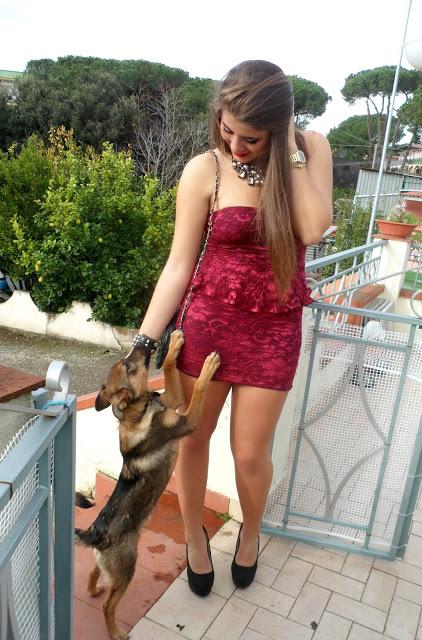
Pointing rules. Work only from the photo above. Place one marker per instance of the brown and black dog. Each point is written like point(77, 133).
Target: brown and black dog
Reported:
point(149, 430)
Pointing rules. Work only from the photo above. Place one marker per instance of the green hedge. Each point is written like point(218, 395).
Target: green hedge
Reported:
point(82, 226)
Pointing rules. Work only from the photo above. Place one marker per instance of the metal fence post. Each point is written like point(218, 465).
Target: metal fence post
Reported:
point(64, 486)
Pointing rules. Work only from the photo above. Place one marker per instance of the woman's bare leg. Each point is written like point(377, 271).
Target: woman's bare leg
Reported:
point(254, 415)
point(192, 470)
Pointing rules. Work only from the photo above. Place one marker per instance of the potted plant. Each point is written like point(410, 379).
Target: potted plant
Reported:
point(397, 224)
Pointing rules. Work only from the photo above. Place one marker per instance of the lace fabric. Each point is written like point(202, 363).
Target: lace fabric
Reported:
point(237, 270)
point(235, 308)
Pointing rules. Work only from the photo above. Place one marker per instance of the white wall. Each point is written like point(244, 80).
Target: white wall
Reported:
point(20, 312)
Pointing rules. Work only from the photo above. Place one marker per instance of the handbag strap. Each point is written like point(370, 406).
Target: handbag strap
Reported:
point(207, 236)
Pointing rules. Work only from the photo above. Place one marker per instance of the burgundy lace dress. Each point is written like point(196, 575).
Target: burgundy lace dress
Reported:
point(235, 308)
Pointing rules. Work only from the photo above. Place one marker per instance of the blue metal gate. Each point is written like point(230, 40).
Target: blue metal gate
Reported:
point(37, 517)
point(354, 465)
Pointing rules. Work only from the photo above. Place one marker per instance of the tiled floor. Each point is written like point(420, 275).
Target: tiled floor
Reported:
point(161, 558)
point(300, 593)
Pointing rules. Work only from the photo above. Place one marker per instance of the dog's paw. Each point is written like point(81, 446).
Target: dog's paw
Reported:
point(176, 342)
point(211, 363)
point(94, 592)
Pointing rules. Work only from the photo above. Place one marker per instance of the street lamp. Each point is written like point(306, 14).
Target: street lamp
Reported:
point(414, 55)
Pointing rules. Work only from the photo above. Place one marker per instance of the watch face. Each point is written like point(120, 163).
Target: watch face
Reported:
point(300, 156)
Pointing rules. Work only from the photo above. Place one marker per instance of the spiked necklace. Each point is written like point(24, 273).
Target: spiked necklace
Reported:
point(249, 172)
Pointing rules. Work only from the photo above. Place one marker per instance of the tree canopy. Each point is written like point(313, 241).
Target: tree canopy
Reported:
point(411, 113)
point(96, 98)
point(375, 86)
point(310, 100)
point(352, 139)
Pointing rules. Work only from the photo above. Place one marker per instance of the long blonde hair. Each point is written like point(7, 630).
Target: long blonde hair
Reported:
point(259, 94)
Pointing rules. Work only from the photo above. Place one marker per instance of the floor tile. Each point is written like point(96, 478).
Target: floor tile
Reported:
point(402, 621)
point(266, 574)
point(193, 619)
point(250, 634)
point(417, 528)
point(275, 627)
point(413, 554)
point(336, 582)
point(89, 622)
point(149, 630)
point(225, 538)
point(262, 596)
point(232, 620)
point(379, 590)
point(310, 605)
point(363, 633)
point(400, 569)
point(409, 591)
point(276, 552)
point(357, 566)
point(321, 557)
point(357, 612)
point(292, 576)
point(332, 627)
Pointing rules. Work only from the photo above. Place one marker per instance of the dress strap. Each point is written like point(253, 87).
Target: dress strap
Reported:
point(207, 237)
point(217, 180)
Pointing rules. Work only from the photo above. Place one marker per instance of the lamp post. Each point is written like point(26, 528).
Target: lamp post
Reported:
point(414, 53)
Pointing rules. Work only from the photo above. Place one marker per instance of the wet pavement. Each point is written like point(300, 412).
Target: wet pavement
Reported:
point(33, 353)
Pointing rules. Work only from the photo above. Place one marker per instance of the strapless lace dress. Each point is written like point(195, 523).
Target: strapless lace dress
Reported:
point(235, 308)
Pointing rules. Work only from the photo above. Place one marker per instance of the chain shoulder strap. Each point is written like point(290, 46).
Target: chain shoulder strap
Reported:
point(207, 236)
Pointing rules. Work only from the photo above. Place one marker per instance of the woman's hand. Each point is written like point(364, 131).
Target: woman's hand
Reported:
point(291, 137)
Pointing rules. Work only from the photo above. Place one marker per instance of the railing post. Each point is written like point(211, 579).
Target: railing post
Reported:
point(394, 258)
point(64, 486)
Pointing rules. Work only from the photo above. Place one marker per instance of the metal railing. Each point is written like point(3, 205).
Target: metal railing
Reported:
point(354, 462)
point(336, 277)
point(37, 517)
point(354, 465)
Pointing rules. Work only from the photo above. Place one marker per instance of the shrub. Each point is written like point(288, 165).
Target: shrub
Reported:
point(24, 178)
point(352, 230)
point(99, 234)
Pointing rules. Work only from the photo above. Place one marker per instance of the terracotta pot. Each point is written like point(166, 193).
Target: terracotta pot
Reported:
point(390, 230)
point(413, 203)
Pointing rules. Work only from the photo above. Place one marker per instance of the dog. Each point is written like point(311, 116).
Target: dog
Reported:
point(150, 425)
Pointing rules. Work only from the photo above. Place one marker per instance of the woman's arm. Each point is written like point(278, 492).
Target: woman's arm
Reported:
point(312, 185)
point(192, 205)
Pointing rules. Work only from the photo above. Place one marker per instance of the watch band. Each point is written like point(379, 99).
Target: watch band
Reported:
point(297, 159)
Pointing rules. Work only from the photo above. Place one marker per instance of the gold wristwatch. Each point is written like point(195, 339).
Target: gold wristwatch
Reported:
point(297, 159)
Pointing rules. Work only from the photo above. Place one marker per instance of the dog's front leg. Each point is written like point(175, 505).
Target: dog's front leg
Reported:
point(173, 397)
point(210, 366)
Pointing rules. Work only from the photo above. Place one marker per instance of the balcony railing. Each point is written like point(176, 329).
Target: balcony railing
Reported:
point(36, 517)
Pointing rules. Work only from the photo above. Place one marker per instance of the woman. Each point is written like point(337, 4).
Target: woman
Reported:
point(248, 296)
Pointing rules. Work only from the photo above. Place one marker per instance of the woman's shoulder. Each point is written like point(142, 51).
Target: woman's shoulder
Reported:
point(314, 141)
point(200, 166)
point(198, 176)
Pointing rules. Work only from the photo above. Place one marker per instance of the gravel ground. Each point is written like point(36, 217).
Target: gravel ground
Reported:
point(33, 353)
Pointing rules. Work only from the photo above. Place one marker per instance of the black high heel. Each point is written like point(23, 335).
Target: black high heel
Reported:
point(201, 583)
point(243, 576)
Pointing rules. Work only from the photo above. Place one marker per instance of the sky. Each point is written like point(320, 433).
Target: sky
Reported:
point(320, 40)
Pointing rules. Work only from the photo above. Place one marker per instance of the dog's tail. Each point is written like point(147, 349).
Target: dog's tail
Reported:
point(83, 501)
point(84, 537)
point(95, 536)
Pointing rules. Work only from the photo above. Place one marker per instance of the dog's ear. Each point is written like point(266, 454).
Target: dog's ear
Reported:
point(101, 401)
point(123, 399)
